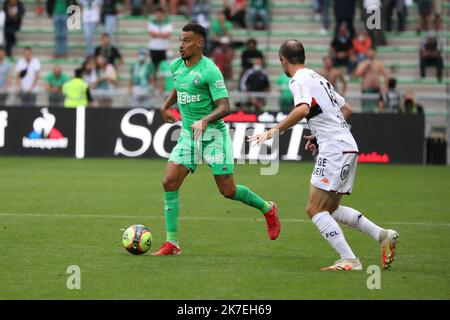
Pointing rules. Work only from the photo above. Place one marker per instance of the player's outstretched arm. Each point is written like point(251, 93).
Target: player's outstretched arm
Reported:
point(170, 101)
point(291, 120)
point(222, 110)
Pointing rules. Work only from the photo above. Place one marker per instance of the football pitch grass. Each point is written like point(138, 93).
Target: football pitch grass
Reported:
point(57, 212)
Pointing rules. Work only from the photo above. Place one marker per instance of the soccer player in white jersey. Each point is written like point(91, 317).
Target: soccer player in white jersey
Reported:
point(336, 157)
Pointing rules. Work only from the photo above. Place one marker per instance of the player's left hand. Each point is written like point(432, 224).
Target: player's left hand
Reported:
point(198, 128)
point(260, 138)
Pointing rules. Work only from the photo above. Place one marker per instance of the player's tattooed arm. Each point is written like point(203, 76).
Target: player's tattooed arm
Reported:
point(170, 101)
point(222, 110)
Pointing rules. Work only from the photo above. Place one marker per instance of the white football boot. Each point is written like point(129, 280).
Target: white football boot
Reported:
point(345, 264)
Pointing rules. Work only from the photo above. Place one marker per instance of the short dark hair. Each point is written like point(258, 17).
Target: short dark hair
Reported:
point(106, 34)
point(392, 83)
point(78, 73)
point(252, 40)
point(27, 48)
point(195, 28)
point(293, 51)
point(160, 9)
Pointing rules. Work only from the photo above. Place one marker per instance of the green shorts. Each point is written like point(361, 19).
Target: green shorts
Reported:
point(215, 151)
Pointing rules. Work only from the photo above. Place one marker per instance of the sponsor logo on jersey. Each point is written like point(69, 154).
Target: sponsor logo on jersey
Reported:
point(325, 180)
point(196, 81)
point(183, 97)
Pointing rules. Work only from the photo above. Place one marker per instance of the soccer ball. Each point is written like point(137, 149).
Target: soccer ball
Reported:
point(137, 239)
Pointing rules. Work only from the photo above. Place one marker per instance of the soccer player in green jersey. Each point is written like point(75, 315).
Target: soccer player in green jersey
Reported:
point(202, 97)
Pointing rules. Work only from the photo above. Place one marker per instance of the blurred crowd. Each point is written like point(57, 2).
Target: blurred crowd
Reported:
point(352, 53)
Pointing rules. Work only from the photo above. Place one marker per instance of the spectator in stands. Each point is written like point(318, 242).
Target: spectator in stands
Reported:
point(220, 31)
point(235, 12)
point(256, 80)
point(201, 10)
point(14, 10)
point(142, 81)
point(361, 44)
point(137, 7)
point(91, 18)
point(286, 101)
point(175, 4)
point(109, 17)
point(6, 77)
point(57, 10)
point(223, 56)
point(376, 33)
point(160, 30)
point(39, 8)
point(27, 76)
point(431, 55)
point(109, 52)
point(76, 91)
point(410, 106)
point(249, 54)
point(333, 74)
point(391, 100)
point(324, 6)
point(371, 70)
point(424, 8)
point(341, 49)
point(259, 11)
point(344, 12)
point(316, 9)
point(399, 6)
point(106, 80)
point(89, 71)
point(150, 3)
point(53, 85)
point(437, 10)
point(165, 79)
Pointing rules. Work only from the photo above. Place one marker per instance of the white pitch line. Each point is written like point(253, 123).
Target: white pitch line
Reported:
point(104, 216)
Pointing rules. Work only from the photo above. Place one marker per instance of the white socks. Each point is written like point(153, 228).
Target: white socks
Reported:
point(331, 231)
point(354, 218)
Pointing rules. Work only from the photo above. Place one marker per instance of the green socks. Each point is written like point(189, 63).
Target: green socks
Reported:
point(250, 198)
point(171, 209)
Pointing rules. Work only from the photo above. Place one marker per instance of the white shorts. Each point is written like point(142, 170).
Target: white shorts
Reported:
point(335, 172)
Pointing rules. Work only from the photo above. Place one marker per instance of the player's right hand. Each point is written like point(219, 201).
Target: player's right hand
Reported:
point(311, 145)
point(167, 116)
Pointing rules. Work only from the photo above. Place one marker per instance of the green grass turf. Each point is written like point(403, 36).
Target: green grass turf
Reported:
point(58, 212)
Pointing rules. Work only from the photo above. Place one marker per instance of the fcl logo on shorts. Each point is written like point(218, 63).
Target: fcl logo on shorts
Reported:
point(344, 172)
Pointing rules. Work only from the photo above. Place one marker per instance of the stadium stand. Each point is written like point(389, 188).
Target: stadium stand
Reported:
point(289, 19)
